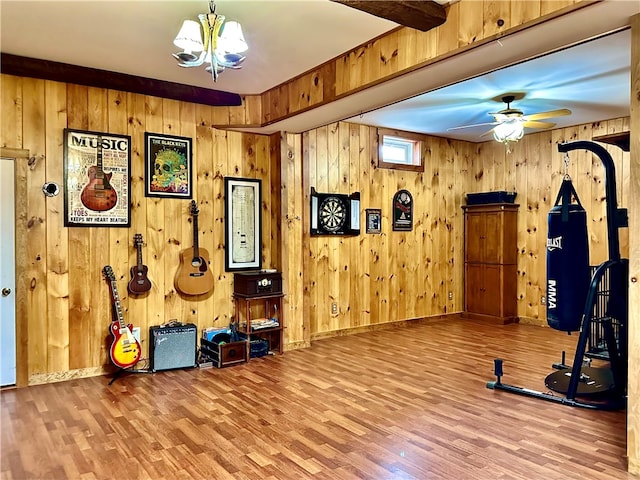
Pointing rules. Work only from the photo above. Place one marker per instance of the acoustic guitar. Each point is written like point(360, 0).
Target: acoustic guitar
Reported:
point(194, 276)
point(99, 195)
point(125, 348)
point(139, 282)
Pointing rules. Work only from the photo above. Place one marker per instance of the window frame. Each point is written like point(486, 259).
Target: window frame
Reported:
point(417, 164)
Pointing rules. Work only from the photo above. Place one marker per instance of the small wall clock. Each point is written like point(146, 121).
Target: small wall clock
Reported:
point(335, 213)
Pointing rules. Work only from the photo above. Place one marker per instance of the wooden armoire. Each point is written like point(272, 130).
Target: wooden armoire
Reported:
point(490, 262)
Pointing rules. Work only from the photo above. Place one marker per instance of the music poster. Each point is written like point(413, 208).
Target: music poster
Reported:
point(97, 180)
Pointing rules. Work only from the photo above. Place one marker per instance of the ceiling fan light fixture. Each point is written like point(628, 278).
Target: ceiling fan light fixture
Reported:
point(213, 39)
point(509, 131)
point(509, 123)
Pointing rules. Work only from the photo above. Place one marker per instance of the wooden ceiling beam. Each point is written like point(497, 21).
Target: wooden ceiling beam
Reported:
point(419, 14)
point(91, 77)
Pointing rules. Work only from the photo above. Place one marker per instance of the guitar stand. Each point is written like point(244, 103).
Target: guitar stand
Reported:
point(118, 373)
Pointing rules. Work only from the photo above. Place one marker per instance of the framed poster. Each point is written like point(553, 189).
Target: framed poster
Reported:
point(374, 220)
point(97, 180)
point(402, 211)
point(167, 166)
point(243, 223)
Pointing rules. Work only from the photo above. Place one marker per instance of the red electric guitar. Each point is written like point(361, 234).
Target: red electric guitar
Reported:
point(125, 348)
point(194, 276)
point(98, 194)
point(139, 283)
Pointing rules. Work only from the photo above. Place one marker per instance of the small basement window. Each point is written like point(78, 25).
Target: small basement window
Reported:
point(400, 150)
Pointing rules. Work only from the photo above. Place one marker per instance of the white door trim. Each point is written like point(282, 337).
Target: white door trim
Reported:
point(21, 168)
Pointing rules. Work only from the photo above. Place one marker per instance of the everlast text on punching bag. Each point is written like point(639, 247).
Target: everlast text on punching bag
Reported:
point(568, 272)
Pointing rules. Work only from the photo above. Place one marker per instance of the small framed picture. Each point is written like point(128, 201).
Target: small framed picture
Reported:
point(374, 220)
point(96, 179)
point(403, 211)
point(167, 168)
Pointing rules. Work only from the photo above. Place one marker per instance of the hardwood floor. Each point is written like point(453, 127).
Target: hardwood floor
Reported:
point(407, 403)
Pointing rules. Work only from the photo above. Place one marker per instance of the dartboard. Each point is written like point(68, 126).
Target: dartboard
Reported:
point(332, 213)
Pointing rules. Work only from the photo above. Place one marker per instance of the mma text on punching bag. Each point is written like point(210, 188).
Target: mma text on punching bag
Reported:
point(568, 271)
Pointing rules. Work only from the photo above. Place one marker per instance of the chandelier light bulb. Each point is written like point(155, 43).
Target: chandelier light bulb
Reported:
point(231, 39)
point(189, 38)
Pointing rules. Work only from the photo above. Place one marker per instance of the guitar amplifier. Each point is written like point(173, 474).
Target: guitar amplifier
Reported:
point(172, 347)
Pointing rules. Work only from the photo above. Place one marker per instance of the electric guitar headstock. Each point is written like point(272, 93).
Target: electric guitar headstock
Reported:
point(108, 273)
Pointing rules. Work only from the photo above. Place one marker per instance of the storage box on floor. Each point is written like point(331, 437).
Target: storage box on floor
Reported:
point(258, 347)
point(217, 346)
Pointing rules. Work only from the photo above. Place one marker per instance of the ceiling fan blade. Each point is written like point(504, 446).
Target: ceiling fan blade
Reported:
point(530, 124)
point(472, 126)
point(489, 132)
point(550, 114)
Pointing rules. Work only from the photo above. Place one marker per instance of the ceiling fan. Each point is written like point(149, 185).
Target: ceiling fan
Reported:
point(509, 123)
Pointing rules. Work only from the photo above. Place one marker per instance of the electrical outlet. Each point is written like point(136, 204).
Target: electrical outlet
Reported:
point(543, 300)
point(334, 308)
point(450, 295)
point(136, 333)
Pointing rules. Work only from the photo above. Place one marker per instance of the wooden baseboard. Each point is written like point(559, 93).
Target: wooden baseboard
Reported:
point(383, 326)
point(41, 378)
point(490, 318)
point(296, 345)
point(538, 322)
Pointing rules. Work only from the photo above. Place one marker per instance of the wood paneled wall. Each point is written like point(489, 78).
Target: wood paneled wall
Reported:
point(372, 278)
point(395, 276)
point(68, 302)
point(381, 278)
point(469, 23)
point(535, 170)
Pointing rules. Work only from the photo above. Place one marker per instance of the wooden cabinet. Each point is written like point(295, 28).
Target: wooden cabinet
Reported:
point(491, 254)
point(253, 316)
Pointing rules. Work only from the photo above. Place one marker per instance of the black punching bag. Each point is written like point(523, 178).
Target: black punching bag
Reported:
point(568, 271)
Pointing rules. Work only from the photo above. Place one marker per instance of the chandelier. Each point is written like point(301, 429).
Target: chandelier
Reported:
point(218, 44)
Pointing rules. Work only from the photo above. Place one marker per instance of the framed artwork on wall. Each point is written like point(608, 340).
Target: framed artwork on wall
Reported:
point(374, 220)
point(97, 179)
point(243, 223)
point(168, 166)
point(402, 211)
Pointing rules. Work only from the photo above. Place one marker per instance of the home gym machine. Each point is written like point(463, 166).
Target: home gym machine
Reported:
point(602, 316)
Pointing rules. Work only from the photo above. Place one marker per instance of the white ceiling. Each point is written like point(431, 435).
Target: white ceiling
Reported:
point(591, 79)
point(287, 38)
point(135, 37)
